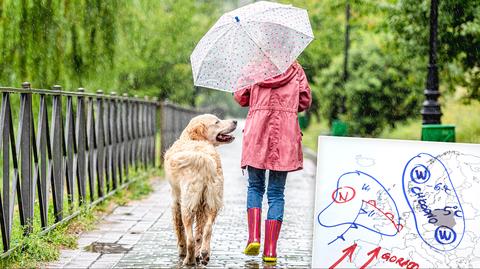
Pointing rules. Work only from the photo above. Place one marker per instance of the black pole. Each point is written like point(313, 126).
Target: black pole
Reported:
point(342, 107)
point(347, 41)
point(431, 111)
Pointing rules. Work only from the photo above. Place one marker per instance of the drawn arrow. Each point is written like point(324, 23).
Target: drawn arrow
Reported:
point(346, 252)
point(374, 255)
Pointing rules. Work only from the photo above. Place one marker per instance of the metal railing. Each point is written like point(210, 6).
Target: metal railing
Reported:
point(76, 154)
point(174, 119)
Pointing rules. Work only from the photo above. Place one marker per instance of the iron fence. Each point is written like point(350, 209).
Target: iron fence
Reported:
point(174, 119)
point(78, 153)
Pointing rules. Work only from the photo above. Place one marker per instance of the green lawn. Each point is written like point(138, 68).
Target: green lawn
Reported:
point(465, 117)
point(310, 135)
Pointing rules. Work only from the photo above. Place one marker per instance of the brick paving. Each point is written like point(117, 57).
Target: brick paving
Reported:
point(140, 235)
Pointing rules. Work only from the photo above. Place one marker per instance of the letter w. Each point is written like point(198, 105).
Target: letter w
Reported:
point(443, 235)
point(420, 174)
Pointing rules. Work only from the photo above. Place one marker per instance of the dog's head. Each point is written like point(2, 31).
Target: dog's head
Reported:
point(209, 128)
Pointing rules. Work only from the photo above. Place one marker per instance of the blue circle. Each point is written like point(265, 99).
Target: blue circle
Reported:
point(443, 239)
point(420, 177)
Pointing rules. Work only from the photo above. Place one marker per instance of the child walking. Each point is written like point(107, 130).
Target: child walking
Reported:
point(271, 141)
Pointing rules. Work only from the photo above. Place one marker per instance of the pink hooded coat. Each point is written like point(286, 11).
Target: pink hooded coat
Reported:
point(272, 137)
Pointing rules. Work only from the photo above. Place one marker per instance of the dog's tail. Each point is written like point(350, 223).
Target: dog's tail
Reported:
point(198, 162)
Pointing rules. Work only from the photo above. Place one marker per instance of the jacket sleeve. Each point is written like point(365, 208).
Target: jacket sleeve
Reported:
point(305, 98)
point(242, 96)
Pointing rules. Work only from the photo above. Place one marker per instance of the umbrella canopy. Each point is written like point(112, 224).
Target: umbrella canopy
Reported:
point(250, 44)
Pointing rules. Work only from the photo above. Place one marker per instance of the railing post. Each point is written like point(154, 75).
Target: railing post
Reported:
point(136, 135)
point(25, 190)
point(44, 148)
point(91, 147)
point(70, 150)
point(113, 139)
point(6, 203)
point(57, 144)
point(154, 131)
point(163, 130)
point(81, 134)
point(108, 143)
point(131, 146)
point(120, 139)
point(100, 142)
point(144, 126)
point(125, 138)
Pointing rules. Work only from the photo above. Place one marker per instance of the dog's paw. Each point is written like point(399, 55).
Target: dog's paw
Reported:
point(205, 257)
point(182, 251)
point(189, 261)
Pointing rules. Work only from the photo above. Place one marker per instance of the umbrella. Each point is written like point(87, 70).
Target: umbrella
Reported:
point(250, 44)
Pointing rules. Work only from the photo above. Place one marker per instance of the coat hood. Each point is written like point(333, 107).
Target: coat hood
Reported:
point(282, 79)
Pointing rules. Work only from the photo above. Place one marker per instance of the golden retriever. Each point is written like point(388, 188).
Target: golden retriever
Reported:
point(194, 170)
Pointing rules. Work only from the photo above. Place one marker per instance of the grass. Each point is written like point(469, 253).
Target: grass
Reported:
point(37, 249)
point(310, 135)
point(465, 117)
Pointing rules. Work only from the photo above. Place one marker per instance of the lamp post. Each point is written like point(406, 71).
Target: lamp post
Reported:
point(339, 127)
point(347, 41)
point(431, 111)
point(432, 129)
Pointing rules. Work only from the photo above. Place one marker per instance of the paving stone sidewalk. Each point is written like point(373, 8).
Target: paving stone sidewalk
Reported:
point(140, 235)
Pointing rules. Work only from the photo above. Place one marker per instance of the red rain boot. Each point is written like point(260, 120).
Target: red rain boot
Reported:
point(272, 231)
point(253, 244)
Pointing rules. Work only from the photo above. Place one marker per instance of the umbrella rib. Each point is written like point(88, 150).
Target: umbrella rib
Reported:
point(210, 49)
point(279, 24)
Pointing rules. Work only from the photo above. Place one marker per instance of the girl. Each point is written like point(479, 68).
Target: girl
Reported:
point(271, 141)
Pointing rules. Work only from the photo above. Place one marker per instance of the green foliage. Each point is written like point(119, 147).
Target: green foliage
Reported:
point(374, 78)
point(126, 46)
point(56, 42)
point(158, 38)
point(458, 38)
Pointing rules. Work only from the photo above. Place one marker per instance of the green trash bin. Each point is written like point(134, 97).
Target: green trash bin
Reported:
point(438, 132)
point(339, 128)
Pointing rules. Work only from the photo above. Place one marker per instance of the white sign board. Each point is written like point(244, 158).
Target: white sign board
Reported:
point(396, 204)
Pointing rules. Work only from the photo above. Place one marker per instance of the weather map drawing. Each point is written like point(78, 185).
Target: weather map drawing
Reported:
point(410, 204)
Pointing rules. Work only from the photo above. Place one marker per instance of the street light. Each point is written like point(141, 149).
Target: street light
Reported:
point(431, 111)
point(340, 128)
point(432, 129)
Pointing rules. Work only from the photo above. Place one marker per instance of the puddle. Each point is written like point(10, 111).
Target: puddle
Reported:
point(107, 248)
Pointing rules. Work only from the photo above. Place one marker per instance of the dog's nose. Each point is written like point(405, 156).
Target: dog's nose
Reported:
point(235, 122)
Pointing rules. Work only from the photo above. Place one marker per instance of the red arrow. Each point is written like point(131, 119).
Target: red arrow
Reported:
point(346, 252)
point(374, 254)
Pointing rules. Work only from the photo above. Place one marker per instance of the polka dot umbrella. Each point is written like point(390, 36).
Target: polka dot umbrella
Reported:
point(249, 45)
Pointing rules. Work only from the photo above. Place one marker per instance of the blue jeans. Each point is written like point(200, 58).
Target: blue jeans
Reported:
point(276, 187)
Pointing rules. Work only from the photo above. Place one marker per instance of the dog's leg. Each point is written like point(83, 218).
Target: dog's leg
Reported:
point(191, 197)
point(200, 219)
point(187, 218)
point(211, 214)
point(179, 229)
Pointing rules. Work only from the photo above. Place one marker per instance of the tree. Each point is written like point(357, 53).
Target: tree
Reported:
point(377, 94)
point(458, 39)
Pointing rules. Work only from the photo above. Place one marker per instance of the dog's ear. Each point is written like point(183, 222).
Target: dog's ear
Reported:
point(198, 132)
